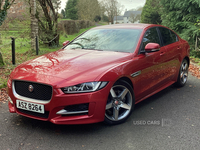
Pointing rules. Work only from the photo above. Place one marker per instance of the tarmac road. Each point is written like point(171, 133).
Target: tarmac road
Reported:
point(169, 120)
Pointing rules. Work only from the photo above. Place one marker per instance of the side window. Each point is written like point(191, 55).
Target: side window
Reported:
point(174, 36)
point(166, 36)
point(151, 36)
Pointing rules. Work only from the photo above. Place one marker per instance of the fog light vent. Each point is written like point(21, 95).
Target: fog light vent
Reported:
point(80, 107)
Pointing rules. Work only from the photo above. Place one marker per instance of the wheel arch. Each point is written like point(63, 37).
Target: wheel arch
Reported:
point(188, 59)
point(127, 80)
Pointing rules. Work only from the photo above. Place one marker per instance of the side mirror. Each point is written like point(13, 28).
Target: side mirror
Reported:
point(65, 43)
point(152, 47)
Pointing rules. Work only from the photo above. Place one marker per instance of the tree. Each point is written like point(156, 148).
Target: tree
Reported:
point(63, 14)
point(140, 8)
point(34, 24)
point(151, 12)
point(1, 60)
point(135, 17)
point(182, 16)
point(48, 19)
point(4, 6)
point(97, 19)
point(105, 18)
point(88, 9)
point(71, 10)
point(112, 8)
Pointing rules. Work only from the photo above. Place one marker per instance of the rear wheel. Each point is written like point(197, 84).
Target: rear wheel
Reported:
point(183, 74)
point(120, 103)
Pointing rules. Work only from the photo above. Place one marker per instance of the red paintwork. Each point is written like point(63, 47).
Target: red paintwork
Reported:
point(65, 43)
point(70, 67)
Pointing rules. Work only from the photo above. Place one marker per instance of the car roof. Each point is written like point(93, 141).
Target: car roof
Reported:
point(127, 26)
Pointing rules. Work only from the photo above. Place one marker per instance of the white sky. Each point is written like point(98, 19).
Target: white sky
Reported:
point(128, 4)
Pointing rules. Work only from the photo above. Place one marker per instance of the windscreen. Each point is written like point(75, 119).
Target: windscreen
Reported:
point(120, 40)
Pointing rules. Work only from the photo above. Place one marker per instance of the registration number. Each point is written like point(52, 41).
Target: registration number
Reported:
point(30, 106)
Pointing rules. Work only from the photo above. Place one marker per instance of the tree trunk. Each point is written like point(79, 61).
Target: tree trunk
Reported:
point(34, 24)
point(1, 60)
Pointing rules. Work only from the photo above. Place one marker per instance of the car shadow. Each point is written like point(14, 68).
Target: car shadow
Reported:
point(155, 97)
point(43, 126)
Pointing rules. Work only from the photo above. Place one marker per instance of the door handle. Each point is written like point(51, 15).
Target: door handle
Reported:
point(162, 53)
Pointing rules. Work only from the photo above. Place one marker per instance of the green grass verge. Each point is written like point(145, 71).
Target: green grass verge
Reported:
point(23, 50)
point(102, 23)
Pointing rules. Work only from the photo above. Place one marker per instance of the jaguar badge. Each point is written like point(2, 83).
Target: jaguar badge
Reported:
point(30, 88)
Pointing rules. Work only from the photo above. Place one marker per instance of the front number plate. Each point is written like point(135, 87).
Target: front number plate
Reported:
point(30, 106)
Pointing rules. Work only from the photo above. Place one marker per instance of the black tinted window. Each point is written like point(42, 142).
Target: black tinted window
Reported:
point(174, 36)
point(166, 36)
point(151, 36)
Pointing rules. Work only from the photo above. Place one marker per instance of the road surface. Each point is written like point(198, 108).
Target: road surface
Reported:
point(169, 120)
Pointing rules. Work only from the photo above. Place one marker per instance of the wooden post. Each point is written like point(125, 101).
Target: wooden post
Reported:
point(13, 50)
point(37, 46)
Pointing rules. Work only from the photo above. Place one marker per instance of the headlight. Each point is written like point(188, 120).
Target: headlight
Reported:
point(84, 87)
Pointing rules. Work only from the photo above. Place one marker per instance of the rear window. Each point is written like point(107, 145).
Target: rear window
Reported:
point(166, 36)
point(174, 36)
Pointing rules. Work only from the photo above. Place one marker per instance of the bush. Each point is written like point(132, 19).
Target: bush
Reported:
point(195, 53)
point(70, 27)
point(97, 19)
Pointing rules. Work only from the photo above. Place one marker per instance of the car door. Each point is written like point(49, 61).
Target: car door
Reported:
point(149, 65)
point(170, 55)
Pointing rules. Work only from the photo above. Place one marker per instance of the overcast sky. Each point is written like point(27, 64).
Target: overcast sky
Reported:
point(128, 4)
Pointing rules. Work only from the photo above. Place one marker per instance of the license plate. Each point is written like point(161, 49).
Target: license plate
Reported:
point(30, 106)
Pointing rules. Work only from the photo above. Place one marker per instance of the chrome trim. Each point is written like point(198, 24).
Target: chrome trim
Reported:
point(29, 99)
point(30, 88)
point(155, 50)
point(65, 112)
point(10, 100)
point(136, 74)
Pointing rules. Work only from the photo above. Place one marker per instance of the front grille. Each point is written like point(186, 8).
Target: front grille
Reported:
point(40, 91)
point(76, 108)
point(45, 115)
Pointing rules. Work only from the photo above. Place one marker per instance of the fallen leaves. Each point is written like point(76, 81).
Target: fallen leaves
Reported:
point(3, 95)
point(195, 70)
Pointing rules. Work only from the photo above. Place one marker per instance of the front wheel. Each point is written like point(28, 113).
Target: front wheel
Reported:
point(120, 103)
point(183, 74)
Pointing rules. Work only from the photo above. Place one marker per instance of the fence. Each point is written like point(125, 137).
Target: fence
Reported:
point(13, 47)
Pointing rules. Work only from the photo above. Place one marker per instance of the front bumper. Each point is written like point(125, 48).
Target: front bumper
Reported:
point(55, 109)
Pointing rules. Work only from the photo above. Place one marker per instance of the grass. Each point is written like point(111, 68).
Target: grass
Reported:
point(62, 19)
point(103, 23)
point(23, 50)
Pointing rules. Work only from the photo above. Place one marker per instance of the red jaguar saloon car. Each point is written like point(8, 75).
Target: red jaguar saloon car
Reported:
point(100, 75)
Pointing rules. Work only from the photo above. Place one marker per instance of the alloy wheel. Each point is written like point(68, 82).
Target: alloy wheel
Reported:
point(119, 104)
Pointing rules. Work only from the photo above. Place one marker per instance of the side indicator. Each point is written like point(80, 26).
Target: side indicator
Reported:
point(136, 74)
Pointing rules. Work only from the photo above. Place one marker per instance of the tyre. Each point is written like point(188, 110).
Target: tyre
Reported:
point(183, 74)
point(120, 103)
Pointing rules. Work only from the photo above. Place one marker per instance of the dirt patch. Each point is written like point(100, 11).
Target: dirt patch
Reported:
point(3, 95)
